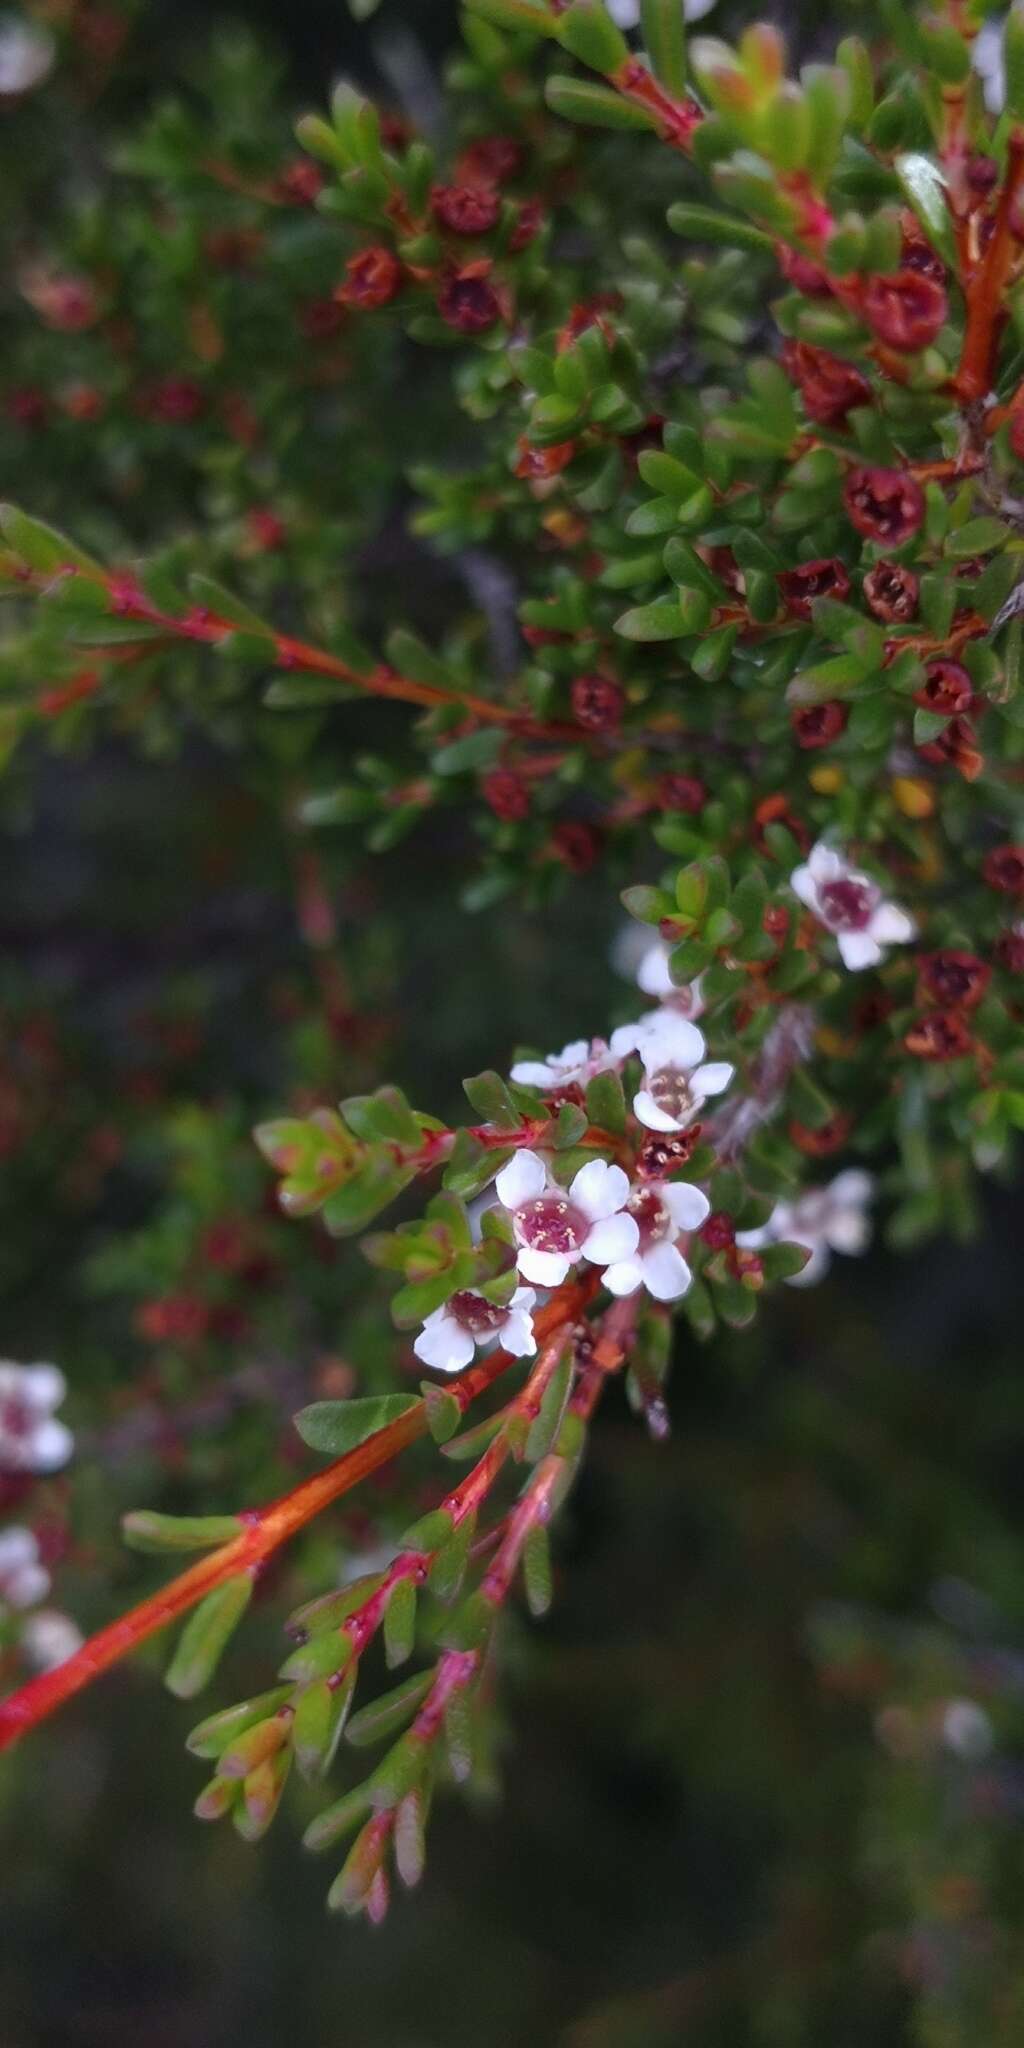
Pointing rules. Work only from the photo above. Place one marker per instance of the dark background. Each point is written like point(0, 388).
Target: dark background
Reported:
point(699, 1838)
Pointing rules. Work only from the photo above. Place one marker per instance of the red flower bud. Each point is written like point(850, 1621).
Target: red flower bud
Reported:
point(176, 400)
point(468, 302)
point(958, 747)
point(919, 255)
point(774, 810)
point(817, 725)
point(466, 209)
point(947, 688)
point(528, 225)
point(536, 464)
point(680, 793)
point(941, 1035)
point(982, 175)
point(597, 703)
point(1003, 869)
point(265, 529)
point(905, 311)
point(718, 1230)
point(829, 388)
point(300, 183)
point(1010, 950)
point(824, 1138)
point(827, 578)
point(802, 274)
point(506, 794)
point(952, 979)
point(884, 504)
point(491, 160)
point(576, 846)
point(890, 591)
point(372, 278)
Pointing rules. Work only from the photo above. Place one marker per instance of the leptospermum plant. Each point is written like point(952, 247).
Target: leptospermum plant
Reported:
point(755, 471)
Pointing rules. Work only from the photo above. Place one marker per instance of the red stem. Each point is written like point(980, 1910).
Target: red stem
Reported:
point(985, 290)
point(263, 1531)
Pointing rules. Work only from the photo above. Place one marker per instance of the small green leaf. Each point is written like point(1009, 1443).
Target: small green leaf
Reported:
point(142, 1529)
point(339, 1426)
point(383, 1717)
point(43, 547)
point(594, 106)
point(400, 1624)
point(488, 1094)
point(662, 620)
point(206, 1635)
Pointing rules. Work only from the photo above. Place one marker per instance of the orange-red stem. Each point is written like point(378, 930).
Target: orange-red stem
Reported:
point(263, 1531)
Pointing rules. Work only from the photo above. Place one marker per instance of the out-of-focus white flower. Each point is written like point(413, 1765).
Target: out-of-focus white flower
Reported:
point(677, 1079)
point(967, 1730)
point(826, 1220)
point(31, 1438)
point(626, 13)
point(24, 1579)
point(850, 905)
point(450, 1336)
point(655, 980)
point(662, 1210)
point(49, 1638)
point(554, 1226)
point(987, 57)
point(575, 1065)
point(27, 53)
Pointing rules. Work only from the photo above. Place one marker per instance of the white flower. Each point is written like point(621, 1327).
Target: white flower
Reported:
point(990, 65)
point(555, 1227)
point(626, 13)
point(850, 905)
point(677, 1080)
point(576, 1064)
point(967, 1730)
point(26, 55)
point(662, 1210)
point(450, 1336)
point(23, 1578)
point(826, 1220)
point(49, 1638)
point(31, 1438)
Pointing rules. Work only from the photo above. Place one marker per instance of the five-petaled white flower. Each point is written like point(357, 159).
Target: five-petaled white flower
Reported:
point(677, 1079)
point(556, 1226)
point(450, 1336)
point(49, 1638)
point(31, 1438)
point(24, 1579)
point(575, 1065)
point(850, 905)
point(662, 1210)
point(827, 1219)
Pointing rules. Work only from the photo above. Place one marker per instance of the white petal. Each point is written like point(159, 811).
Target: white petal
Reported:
point(711, 1080)
point(49, 1639)
point(574, 1055)
point(444, 1344)
point(545, 1269)
point(599, 1189)
point(825, 864)
point(653, 975)
point(516, 1334)
point(646, 1111)
point(688, 1206)
point(49, 1446)
point(803, 884)
point(891, 926)
point(624, 1277)
point(672, 1041)
point(858, 950)
point(626, 1038)
point(614, 1238)
point(522, 1180)
point(752, 1240)
point(43, 1386)
point(522, 1300)
point(532, 1074)
point(848, 1231)
point(25, 1586)
point(666, 1273)
point(695, 10)
point(18, 1547)
point(851, 1188)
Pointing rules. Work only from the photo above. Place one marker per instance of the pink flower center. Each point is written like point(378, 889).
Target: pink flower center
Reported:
point(673, 1093)
point(15, 1418)
point(551, 1224)
point(476, 1315)
point(652, 1218)
point(848, 905)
